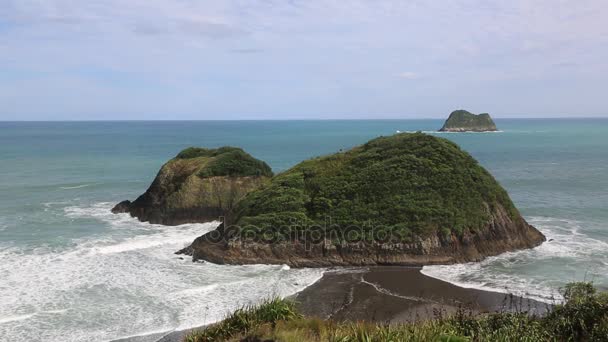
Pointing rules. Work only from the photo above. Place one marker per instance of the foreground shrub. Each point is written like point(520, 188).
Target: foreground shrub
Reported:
point(583, 316)
point(245, 319)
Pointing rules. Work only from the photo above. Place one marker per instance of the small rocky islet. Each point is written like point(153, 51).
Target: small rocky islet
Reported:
point(407, 199)
point(198, 185)
point(465, 121)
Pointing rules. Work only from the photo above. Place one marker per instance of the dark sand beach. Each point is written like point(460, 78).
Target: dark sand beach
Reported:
point(386, 295)
point(398, 294)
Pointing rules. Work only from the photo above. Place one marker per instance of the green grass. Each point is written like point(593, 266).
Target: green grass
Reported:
point(247, 319)
point(196, 152)
point(408, 184)
point(583, 317)
point(227, 161)
point(236, 163)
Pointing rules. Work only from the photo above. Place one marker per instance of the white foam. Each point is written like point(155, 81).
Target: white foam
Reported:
point(501, 283)
point(534, 273)
point(127, 282)
point(14, 318)
point(183, 234)
point(76, 186)
point(7, 319)
point(196, 290)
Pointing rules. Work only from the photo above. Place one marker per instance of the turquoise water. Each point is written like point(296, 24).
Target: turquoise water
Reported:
point(72, 271)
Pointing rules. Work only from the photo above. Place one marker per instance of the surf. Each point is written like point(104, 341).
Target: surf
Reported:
point(567, 246)
point(127, 281)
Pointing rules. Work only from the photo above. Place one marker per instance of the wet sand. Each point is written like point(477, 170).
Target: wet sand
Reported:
point(388, 295)
point(399, 294)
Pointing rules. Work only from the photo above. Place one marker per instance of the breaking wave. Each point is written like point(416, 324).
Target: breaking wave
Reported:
point(568, 255)
point(127, 281)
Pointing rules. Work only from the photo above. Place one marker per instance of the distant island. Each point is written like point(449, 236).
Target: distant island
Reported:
point(464, 121)
point(407, 199)
point(198, 185)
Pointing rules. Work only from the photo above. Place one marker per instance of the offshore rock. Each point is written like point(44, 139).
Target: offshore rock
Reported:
point(198, 185)
point(464, 121)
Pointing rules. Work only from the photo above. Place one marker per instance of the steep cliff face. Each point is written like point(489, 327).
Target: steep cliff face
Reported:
point(502, 234)
point(464, 121)
point(198, 185)
point(408, 199)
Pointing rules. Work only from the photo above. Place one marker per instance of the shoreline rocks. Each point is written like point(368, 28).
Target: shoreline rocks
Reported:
point(501, 235)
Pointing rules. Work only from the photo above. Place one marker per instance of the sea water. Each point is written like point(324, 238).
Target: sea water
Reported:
point(72, 271)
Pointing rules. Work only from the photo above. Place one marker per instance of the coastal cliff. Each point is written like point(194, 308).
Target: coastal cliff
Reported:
point(407, 199)
point(198, 185)
point(464, 121)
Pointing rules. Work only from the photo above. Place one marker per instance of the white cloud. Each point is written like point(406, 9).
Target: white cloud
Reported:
point(408, 75)
point(233, 48)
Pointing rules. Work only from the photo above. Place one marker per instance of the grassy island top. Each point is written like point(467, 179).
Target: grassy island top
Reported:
point(226, 161)
point(411, 183)
point(465, 119)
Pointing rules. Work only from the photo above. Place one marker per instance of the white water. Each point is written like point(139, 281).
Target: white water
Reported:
point(127, 282)
point(569, 255)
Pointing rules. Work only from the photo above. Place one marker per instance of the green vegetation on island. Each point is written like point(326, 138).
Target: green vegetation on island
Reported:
point(410, 184)
point(226, 161)
point(198, 185)
point(406, 199)
point(464, 121)
point(582, 317)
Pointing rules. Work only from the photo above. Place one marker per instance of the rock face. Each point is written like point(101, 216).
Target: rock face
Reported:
point(408, 199)
point(463, 121)
point(198, 185)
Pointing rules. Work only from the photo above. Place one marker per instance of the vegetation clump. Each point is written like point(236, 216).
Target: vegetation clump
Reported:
point(582, 317)
point(408, 184)
point(227, 161)
point(246, 319)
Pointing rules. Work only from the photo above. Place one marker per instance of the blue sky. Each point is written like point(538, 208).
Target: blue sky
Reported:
point(229, 59)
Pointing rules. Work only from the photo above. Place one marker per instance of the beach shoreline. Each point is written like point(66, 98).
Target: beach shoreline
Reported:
point(384, 294)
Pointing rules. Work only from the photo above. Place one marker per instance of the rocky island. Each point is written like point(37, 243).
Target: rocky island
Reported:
point(198, 185)
point(406, 199)
point(464, 121)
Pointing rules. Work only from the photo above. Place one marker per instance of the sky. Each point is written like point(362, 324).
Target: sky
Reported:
point(309, 59)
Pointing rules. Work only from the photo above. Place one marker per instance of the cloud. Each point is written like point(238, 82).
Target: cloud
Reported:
point(408, 75)
point(197, 27)
point(246, 50)
point(319, 56)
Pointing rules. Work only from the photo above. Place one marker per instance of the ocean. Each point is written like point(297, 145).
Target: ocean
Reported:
point(72, 271)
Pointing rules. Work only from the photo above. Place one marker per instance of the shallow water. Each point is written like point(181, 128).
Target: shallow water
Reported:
point(72, 271)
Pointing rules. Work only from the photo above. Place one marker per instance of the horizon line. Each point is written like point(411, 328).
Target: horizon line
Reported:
point(300, 119)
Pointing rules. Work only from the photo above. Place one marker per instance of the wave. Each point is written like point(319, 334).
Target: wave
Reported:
point(14, 318)
point(126, 280)
point(76, 186)
point(7, 319)
point(146, 235)
point(536, 273)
